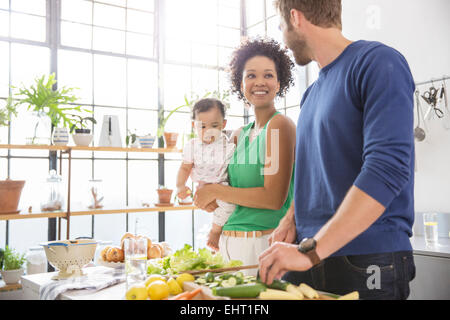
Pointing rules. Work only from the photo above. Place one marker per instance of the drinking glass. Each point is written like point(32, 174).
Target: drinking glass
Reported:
point(430, 225)
point(135, 250)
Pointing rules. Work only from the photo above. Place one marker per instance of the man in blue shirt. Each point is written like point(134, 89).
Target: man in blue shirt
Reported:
point(354, 175)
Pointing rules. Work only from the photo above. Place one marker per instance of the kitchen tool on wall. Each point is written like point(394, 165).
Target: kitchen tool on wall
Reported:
point(431, 97)
point(443, 96)
point(419, 133)
point(110, 134)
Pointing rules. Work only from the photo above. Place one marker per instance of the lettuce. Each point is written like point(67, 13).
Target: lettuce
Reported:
point(187, 259)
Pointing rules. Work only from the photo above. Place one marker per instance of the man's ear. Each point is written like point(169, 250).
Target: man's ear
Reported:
point(296, 18)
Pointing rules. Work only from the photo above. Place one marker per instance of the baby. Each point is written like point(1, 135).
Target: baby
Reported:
point(206, 159)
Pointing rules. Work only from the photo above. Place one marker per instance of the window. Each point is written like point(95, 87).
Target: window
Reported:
point(108, 50)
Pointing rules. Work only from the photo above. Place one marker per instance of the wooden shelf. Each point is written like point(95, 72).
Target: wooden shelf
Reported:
point(9, 287)
point(62, 214)
point(77, 148)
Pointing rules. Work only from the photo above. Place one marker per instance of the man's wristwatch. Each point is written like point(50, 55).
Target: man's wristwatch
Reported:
point(308, 247)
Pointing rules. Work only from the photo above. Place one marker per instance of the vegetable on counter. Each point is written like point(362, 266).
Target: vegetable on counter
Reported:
point(274, 294)
point(350, 296)
point(249, 290)
point(188, 295)
point(308, 291)
point(285, 286)
point(187, 259)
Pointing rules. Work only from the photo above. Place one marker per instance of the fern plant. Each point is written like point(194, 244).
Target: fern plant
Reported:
point(42, 98)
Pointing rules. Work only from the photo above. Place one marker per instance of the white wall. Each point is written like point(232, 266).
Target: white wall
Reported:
point(420, 30)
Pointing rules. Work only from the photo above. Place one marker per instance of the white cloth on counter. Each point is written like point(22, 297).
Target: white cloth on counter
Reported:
point(96, 280)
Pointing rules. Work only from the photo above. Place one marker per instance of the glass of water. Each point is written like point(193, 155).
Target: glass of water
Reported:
point(430, 225)
point(135, 250)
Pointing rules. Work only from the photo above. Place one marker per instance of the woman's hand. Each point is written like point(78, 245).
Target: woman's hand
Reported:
point(285, 232)
point(204, 196)
point(212, 206)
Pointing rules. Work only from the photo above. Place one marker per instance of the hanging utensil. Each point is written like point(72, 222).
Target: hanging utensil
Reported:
point(447, 111)
point(419, 133)
point(109, 132)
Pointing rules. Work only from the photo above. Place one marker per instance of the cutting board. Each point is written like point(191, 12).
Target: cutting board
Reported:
point(207, 294)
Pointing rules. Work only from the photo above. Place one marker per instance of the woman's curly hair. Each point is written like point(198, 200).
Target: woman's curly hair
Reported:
point(261, 47)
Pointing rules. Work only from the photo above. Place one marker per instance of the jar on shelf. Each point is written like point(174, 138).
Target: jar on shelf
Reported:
point(36, 260)
point(54, 193)
point(95, 194)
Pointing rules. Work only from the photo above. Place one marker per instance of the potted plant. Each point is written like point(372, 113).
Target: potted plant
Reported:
point(12, 266)
point(10, 190)
point(164, 195)
point(170, 138)
point(131, 139)
point(146, 141)
point(82, 135)
point(49, 106)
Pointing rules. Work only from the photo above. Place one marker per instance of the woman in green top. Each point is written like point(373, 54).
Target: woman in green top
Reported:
point(261, 171)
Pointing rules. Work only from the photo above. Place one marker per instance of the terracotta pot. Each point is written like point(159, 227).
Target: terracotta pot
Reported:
point(10, 191)
point(164, 195)
point(170, 139)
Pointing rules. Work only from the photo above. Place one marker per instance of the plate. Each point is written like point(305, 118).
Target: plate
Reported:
point(110, 264)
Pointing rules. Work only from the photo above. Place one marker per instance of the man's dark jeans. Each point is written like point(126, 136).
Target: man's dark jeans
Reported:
point(341, 275)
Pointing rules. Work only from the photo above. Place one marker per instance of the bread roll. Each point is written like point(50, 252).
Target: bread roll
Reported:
point(154, 252)
point(103, 253)
point(114, 254)
point(125, 236)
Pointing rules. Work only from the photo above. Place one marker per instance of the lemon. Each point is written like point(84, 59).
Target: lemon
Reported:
point(137, 292)
point(184, 277)
point(158, 290)
point(174, 287)
point(154, 277)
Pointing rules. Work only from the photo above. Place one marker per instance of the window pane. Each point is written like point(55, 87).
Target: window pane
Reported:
point(178, 50)
point(109, 40)
point(202, 226)
point(270, 8)
point(4, 69)
point(229, 37)
point(225, 56)
point(147, 5)
point(142, 185)
point(3, 140)
point(109, 81)
point(139, 45)
point(234, 123)
point(177, 83)
point(138, 21)
point(230, 17)
point(273, 30)
point(204, 80)
point(36, 231)
point(109, 16)
point(257, 30)
point(143, 123)
point(142, 84)
point(204, 54)
point(75, 70)
point(76, 35)
point(121, 3)
point(27, 63)
point(254, 10)
point(4, 4)
point(178, 228)
point(77, 10)
point(29, 6)
point(81, 174)
point(24, 26)
point(293, 113)
point(4, 24)
point(81, 226)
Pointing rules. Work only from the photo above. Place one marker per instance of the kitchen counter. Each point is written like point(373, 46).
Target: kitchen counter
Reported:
point(442, 249)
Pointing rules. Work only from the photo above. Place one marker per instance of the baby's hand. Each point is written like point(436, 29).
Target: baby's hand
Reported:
point(184, 192)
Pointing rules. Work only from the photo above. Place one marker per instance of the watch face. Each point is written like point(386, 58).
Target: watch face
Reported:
point(307, 244)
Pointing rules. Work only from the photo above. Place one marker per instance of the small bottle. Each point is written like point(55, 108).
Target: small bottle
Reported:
point(36, 260)
point(95, 194)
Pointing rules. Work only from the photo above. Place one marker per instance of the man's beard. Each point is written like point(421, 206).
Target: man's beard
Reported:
point(299, 49)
